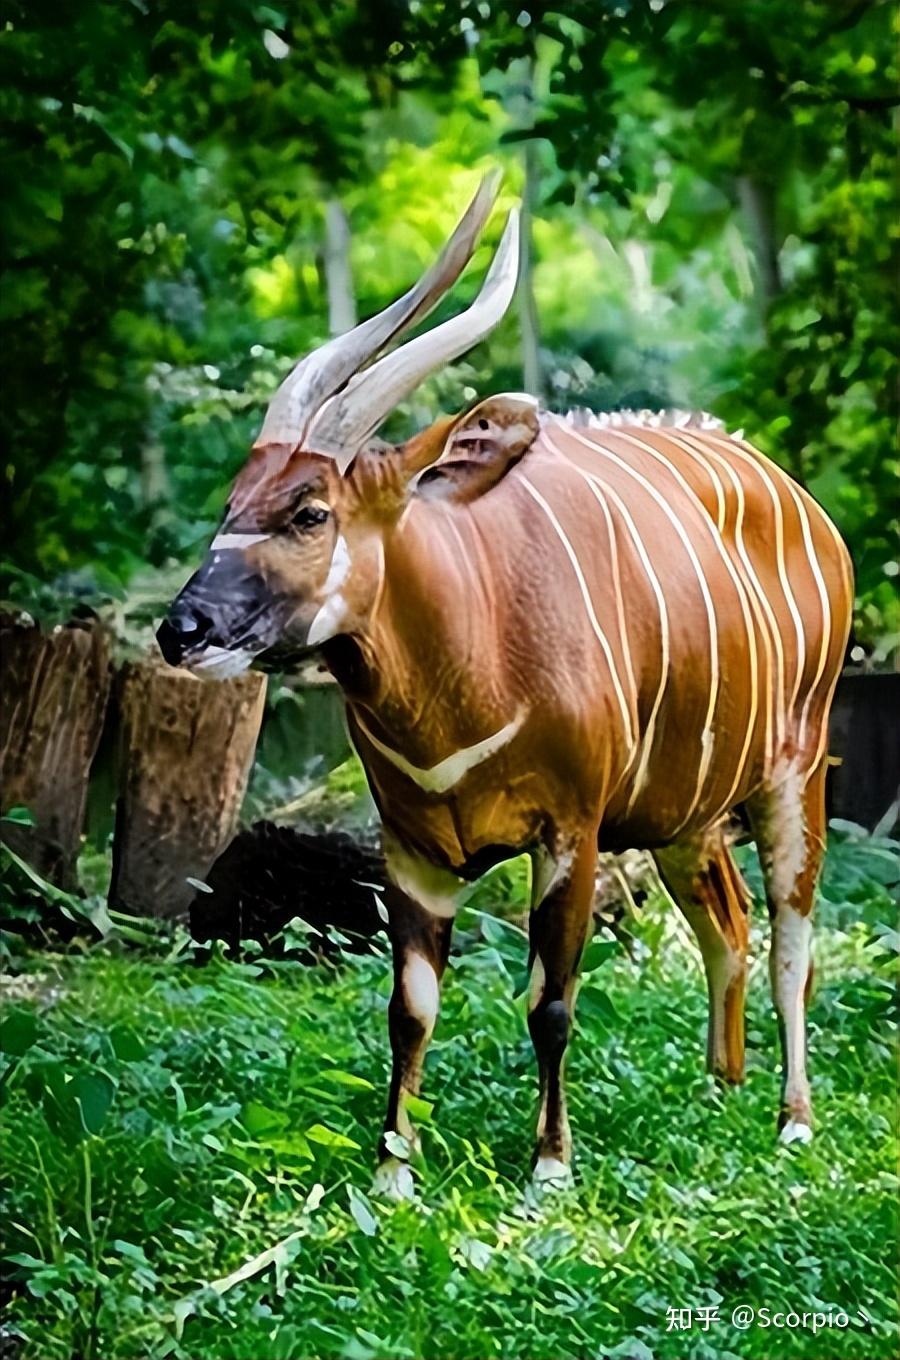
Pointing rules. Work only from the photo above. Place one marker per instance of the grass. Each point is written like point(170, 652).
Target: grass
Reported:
point(188, 1151)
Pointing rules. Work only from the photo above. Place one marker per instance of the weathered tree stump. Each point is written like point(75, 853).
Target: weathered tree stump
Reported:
point(269, 874)
point(55, 690)
point(185, 750)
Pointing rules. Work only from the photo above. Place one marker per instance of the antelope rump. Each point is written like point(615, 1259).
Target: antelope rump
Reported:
point(552, 633)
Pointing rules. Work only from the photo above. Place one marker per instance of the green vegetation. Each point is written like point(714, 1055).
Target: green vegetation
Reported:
point(188, 1151)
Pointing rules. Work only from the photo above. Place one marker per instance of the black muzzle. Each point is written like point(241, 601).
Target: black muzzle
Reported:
point(224, 604)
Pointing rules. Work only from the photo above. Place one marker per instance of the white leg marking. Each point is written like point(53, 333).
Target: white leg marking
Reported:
point(538, 978)
point(789, 969)
point(795, 1132)
point(552, 1174)
point(434, 889)
point(420, 990)
point(546, 873)
point(787, 858)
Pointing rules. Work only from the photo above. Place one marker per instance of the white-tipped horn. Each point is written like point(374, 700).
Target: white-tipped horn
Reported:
point(323, 372)
point(345, 422)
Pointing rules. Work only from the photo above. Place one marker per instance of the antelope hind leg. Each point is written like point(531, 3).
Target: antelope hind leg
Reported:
point(704, 880)
point(788, 821)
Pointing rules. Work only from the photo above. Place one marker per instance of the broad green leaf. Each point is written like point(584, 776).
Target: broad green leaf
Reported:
point(127, 1043)
point(319, 1133)
point(259, 1119)
point(346, 1079)
point(18, 1032)
point(597, 953)
point(92, 1093)
point(418, 1109)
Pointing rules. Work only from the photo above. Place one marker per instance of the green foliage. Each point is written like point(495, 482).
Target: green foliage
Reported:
point(188, 1152)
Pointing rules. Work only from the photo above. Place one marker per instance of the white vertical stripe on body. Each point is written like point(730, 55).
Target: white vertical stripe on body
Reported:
point(800, 499)
point(706, 745)
point(771, 633)
point(620, 604)
point(758, 462)
point(762, 609)
point(646, 742)
point(743, 595)
point(585, 595)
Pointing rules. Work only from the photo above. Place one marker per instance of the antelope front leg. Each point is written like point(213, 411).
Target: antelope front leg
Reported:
point(421, 921)
point(562, 898)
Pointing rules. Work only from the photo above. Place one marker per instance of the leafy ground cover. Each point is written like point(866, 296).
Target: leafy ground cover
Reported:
point(188, 1144)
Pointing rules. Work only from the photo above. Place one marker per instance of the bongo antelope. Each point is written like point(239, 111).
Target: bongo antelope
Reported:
point(552, 633)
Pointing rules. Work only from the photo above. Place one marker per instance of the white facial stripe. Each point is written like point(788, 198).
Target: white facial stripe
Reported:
point(448, 772)
point(328, 621)
point(333, 612)
point(340, 566)
point(223, 541)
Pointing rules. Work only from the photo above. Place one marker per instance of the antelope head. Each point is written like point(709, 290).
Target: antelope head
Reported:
point(296, 560)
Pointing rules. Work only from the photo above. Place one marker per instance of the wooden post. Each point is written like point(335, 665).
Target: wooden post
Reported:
point(185, 750)
point(55, 691)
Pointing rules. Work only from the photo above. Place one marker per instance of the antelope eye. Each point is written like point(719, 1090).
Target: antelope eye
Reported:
point(309, 515)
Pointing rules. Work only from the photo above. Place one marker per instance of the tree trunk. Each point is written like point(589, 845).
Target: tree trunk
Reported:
point(55, 691)
point(521, 101)
point(185, 750)
point(532, 374)
point(758, 206)
point(338, 276)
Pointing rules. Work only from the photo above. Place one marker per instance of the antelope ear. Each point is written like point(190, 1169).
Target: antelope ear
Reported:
point(480, 448)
